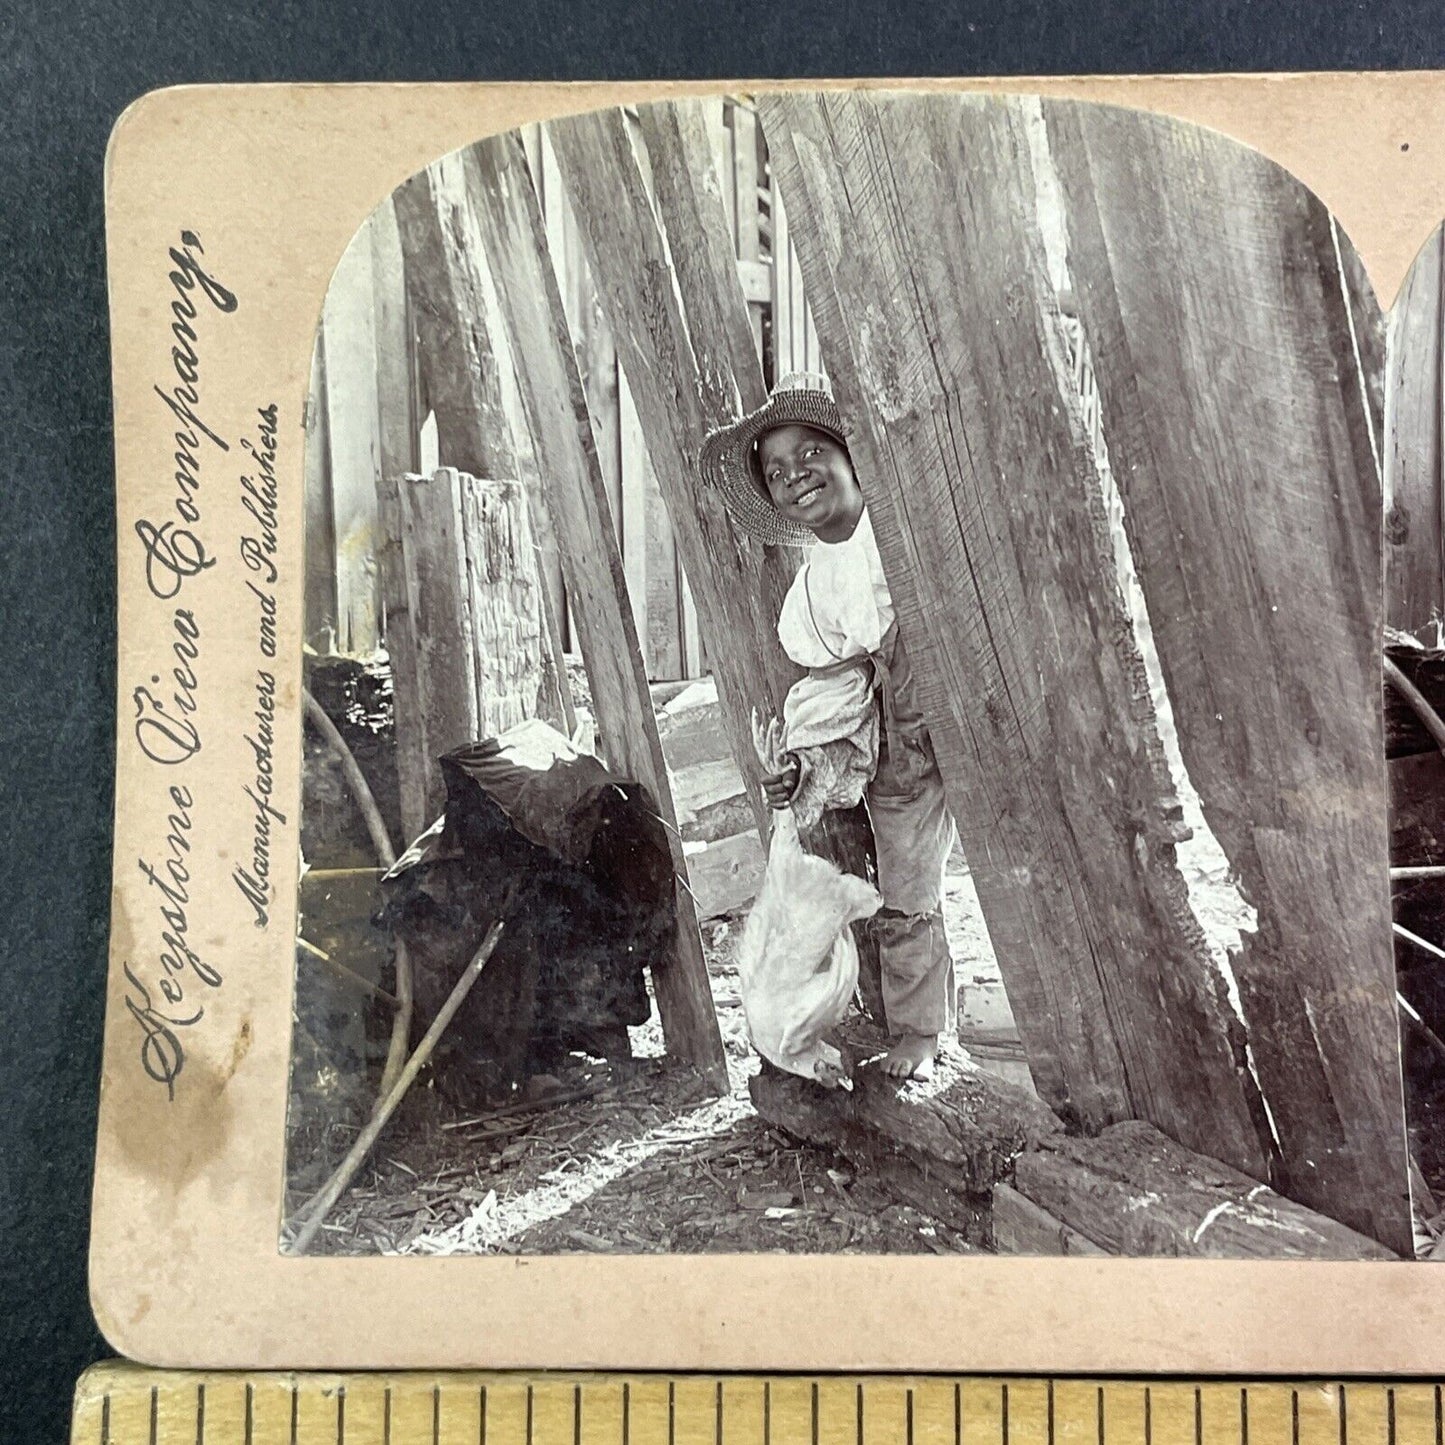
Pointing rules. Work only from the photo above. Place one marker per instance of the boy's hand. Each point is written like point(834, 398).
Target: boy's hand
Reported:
point(778, 788)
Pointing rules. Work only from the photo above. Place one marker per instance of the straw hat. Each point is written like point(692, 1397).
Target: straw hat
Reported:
point(729, 458)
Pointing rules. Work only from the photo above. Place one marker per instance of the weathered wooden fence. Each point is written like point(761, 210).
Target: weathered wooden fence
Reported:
point(1212, 305)
point(404, 390)
point(1212, 290)
point(1414, 463)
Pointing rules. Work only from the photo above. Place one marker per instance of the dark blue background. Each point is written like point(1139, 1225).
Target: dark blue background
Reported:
point(69, 70)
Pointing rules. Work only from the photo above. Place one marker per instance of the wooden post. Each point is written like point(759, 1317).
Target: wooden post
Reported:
point(690, 203)
point(1263, 579)
point(1027, 718)
point(510, 226)
point(353, 433)
point(320, 536)
point(1414, 459)
point(464, 623)
point(466, 380)
point(433, 683)
point(951, 361)
point(1254, 531)
point(678, 402)
point(397, 438)
point(460, 372)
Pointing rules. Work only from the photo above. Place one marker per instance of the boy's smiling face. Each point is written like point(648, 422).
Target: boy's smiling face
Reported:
point(809, 477)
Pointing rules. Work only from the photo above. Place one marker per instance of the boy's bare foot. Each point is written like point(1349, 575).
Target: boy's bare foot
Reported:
point(911, 1057)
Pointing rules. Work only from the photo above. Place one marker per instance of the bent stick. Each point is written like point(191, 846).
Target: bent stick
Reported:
point(325, 1201)
point(381, 841)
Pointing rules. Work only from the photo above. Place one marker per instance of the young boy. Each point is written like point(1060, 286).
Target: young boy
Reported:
point(786, 476)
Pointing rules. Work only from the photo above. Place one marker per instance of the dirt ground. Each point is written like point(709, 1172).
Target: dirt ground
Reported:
point(642, 1163)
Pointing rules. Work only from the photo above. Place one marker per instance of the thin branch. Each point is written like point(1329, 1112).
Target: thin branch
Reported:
point(381, 840)
point(1419, 703)
point(1422, 1028)
point(347, 975)
point(1422, 943)
point(316, 1211)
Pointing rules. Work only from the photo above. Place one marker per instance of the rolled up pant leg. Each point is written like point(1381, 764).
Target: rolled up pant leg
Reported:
point(919, 985)
point(914, 834)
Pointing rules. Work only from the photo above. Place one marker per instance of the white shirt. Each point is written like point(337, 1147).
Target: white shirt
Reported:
point(839, 605)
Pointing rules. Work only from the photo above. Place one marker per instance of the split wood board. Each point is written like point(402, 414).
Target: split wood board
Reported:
point(1218, 294)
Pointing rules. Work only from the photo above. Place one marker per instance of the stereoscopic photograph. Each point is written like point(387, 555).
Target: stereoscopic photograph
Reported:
point(871, 686)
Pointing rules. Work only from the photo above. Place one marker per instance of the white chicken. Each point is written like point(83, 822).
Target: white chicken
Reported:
point(797, 961)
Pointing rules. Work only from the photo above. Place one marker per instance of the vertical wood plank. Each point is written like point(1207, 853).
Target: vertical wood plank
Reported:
point(662, 602)
point(693, 664)
point(637, 489)
point(428, 632)
point(510, 225)
point(745, 170)
point(596, 355)
point(745, 163)
point(1414, 396)
point(467, 378)
point(353, 428)
point(395, 399)
point(596, 358)
point(782, 288)
point(447, 291)
point(689, 202)
point(506, 618)
point(1254, 515)
point(724, 148)
point(465, 622)
point(678, 402)
point(320, 537)
point(950, 361)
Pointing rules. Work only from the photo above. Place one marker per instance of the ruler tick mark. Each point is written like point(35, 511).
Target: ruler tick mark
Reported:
point(958, 1414)
point(295, 1410)
point(341, 1415)
point(105, 1418)
point(1439, 1418)
point(201, 1415)
point(1344, 1418)
point(1099, 1421)
point(481, 1418)
point(1390, 1415)
point(1003, 1413)
point(767, 1413)
point(671, 1412)
point(815, 1412)
point(250, 1419)
point(1049, 1399)
point(155, 1413)
point(1294, 1417)
point(859, 1399)
point(386, 1416)
point(576, 1415)
point(626, 1412)
point(1243, 1416)
point(719, 1413)
point(436, 1414)
point(1148, 1416)
point(529, 1415)
point(908, 1415)
point(1198, 1416)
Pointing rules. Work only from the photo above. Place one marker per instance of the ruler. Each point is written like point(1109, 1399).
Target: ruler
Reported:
point(123, 1404)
